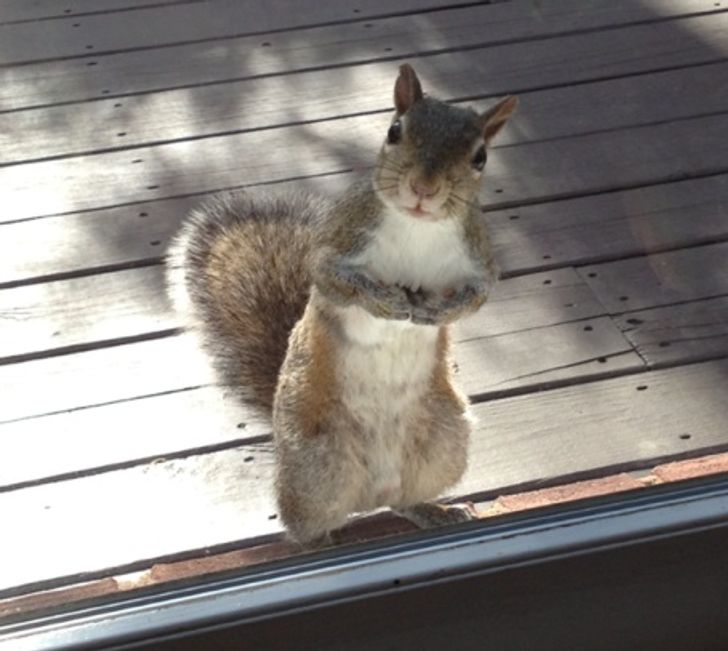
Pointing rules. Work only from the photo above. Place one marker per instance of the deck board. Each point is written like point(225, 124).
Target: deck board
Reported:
point(29, 10)
point(154, 27)
point(673, 277)
point(115, 445)
point(261, 103)
point(228, 19)
point(163, 498)
point(676, 333)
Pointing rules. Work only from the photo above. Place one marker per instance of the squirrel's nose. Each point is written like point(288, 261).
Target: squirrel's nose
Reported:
point(424, 190)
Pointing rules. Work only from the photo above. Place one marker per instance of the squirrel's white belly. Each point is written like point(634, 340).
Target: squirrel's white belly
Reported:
point(383, 376)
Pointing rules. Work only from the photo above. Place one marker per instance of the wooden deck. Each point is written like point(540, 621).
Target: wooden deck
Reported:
point(604, 348)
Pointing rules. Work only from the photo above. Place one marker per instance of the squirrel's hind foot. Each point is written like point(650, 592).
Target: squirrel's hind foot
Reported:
point(427, 515)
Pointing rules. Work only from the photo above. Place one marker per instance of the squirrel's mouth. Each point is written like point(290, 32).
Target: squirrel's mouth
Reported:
point(417, 212)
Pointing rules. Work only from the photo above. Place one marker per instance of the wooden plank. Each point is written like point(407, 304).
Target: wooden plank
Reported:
point(127, 371)
point(618, 224)
point(22, 10)
point(122, 433)
point(660, 279)
point(523, 173)
point(689, 331)
point(155, 27)
point(612, 424)
point(538, 357)
point(121, 517)
point(451, 74)
point(108, 375)
point(262, 103)
point(574, 231)
point(165, 26)
point(132, 303)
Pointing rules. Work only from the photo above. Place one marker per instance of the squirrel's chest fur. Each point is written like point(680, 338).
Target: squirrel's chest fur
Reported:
point(387, 367)
point(417, 253)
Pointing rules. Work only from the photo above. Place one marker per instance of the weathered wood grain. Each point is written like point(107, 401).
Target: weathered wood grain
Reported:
point(613, 225)
point(660, 279)
point(185, 504)
point(264, 103)
point(17, 10)
point(528, 172)
point(108, 375)
point(132, 303)
point(490, 366)
point(153, 27)
point(124, 432)
point(676, 333)
point(227, 19)
point(500, 67)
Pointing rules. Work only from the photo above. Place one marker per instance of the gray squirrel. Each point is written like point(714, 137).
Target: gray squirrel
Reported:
point(331, 317)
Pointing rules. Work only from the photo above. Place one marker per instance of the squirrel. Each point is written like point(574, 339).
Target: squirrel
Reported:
point(331, 316)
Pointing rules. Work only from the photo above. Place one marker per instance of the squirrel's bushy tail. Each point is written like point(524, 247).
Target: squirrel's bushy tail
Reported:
point(239, 273)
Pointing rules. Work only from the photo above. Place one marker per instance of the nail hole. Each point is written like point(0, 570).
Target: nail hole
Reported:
point(105, 92)
point(66, 11)
point(685, 437)
point(117, 105)
point(242, 425)
point(152, 187)
point(155, 242)
point(248, 459)
point(514, 217)
point(143, 214)
point(498, 190)
point(664, 344)
point(568, 305)
point(624, 298)
point(602, 360)
point(547, 282)
point(121, 133)
point(635, 321)
point(387, 49)
point(56, 333)
point(266, 44)
point(592, 274)
point(396, 582)
point(356, 11)
point(137, 160)
point(274, 516)
point(367, 25)
point(547, 257)
point(92, 63)
point(76, 24)
point(89, 47)
point(588, 328)
point(641, 387)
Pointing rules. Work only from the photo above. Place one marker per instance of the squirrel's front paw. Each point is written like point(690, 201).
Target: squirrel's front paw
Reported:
point(447, 306)
point(378, 298)
point(390, 302)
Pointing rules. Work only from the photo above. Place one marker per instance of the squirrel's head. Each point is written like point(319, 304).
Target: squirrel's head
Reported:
point(434, 154)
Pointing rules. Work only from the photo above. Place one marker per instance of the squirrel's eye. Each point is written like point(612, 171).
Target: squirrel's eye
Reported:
point(395, 133)
point(480, 158)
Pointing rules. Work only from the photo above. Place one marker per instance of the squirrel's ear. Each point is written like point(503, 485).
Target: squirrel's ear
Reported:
point(407, 89)
point(496, 116)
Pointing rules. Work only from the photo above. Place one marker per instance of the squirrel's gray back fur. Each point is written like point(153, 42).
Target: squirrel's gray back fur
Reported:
point(238, 272)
